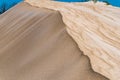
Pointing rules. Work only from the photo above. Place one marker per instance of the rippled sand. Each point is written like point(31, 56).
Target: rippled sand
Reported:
point(34, 45)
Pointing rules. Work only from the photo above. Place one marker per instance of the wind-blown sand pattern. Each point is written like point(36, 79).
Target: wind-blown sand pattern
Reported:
point(96, 30)
point(36, 42)
point(34, 45)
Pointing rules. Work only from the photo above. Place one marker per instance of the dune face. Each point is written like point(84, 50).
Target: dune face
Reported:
point(34, 45)
point(96, 30)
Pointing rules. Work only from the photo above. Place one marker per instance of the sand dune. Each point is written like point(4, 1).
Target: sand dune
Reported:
point(95, 28)
point(34, 45)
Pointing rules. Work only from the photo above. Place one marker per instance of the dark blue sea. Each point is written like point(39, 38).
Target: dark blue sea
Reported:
point(7, 4)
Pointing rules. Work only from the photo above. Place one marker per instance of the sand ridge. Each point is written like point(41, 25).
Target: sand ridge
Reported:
point(95, 28)
point(34, 45)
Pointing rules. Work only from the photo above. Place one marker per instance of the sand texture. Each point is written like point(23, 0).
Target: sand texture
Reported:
point(95, 28)
point(34, 45)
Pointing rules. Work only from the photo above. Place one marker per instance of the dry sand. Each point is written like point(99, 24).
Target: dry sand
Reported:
point(95, 27)
point(34, 45)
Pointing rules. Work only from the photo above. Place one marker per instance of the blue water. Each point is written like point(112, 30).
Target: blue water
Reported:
point(72, 0)
point(112, 2)
point(6, 4)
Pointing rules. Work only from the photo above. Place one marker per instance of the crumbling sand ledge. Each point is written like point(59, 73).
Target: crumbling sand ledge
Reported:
point(96, 29)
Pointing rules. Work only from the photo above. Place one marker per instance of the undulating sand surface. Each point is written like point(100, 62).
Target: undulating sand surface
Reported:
point(95, 27)
point(34, 45)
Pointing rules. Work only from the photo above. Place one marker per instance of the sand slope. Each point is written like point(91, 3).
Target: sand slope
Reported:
point(34, 45)
point(96, 30)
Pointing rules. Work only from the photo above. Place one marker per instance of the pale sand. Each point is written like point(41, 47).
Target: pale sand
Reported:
point(95, 27)
point(34, 45)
